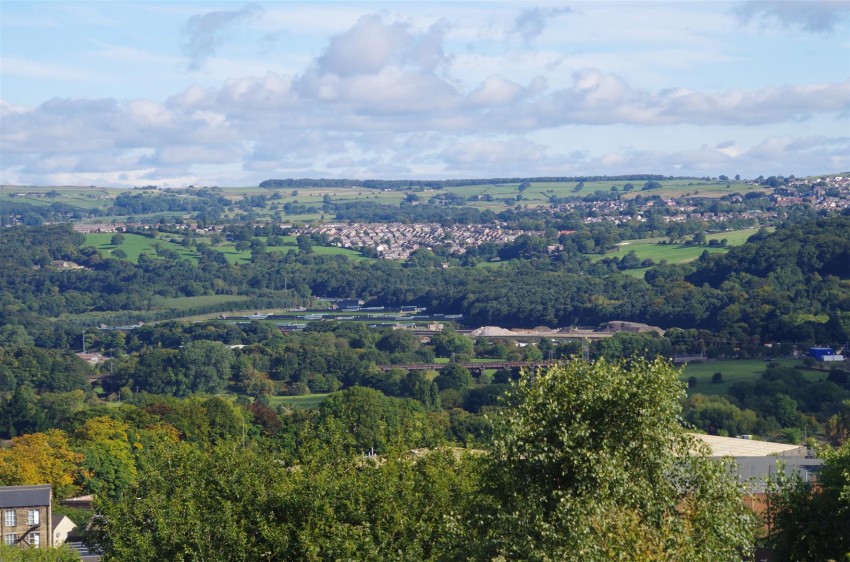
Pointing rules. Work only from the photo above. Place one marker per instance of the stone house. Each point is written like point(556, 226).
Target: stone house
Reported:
point(26, 515)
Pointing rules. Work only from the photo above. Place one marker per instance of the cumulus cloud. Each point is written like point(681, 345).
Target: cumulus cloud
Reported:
point(531, 22)
point(206, 32)
point(372, 45)
point(380, 67)
point(380, 98)
point(495, 90)
point(816, 16)
point(602, 98)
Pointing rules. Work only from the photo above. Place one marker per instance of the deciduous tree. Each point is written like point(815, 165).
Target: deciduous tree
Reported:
point(590, 462)
point(41, 458)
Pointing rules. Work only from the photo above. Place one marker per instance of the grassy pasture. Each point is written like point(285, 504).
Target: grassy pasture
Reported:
point(334, 251)
point(650, 248)
point(83, 197)
point(188, 303)
point(675, 253)
point(304, 402)
point(537, 194)
point(540, 192)
point(234, 256)
point(735, 237)
point(738, 370)
point(135, 245)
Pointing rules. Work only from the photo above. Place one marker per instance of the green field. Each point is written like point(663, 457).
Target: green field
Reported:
point(189, 303)
point(234, 256)
point(538, 194)
point(738, 370)
point(304, 402)
point(82, 197)
point(335, 251)
point(657, 249)
point(135, 245)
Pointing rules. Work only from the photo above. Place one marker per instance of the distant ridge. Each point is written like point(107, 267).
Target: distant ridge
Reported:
point(440, 184)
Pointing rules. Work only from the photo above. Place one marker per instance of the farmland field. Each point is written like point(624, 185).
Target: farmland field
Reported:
point(304, 402)
point(503, 195)
point(234, 256)
point(657, 250)
point(135, 245)
point(738, 370)
point(188, 303)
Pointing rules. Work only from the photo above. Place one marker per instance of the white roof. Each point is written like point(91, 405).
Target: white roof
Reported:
point(735, 447)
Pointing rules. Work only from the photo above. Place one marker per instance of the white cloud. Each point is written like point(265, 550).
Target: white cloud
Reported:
point(603, 98)
point(495, 90)
point(387, 96)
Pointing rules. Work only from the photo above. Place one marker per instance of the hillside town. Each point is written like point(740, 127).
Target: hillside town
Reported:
point(397, 241)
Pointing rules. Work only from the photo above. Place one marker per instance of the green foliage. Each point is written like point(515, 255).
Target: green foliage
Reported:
point(811, 521)
point(244, 504)
point(398, 341)
point(838, 426)
point(191, 505)
point(44, 369)
point(454, 376)
point(448, 343)
point(626, 344)
point(207, 365)
point(109, 465)
point(373, 422)
point(590, 462)
point(59, 554)
point(718, 416)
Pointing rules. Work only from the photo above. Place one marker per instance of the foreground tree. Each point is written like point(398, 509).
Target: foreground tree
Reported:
point(812, 522)
point(230, 503)
point(590, 462)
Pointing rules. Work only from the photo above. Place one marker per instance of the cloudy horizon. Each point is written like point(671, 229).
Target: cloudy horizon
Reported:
point(222, 93)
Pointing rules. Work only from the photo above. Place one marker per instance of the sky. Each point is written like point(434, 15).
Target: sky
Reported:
point(172, 94)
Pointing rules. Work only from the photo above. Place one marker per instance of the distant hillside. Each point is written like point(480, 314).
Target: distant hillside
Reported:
point(440, 184)
point(821, 247)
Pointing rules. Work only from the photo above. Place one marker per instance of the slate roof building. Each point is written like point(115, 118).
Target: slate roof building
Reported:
point(26, 515)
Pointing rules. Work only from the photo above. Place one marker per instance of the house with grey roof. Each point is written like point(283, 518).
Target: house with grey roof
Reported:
point(26, 515)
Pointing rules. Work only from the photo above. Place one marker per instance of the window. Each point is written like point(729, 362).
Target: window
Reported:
point(35, 540)
point(32, 517)
point(10, 518)
point(11, 539)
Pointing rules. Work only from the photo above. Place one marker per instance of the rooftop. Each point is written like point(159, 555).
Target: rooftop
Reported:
point(737, 447)
point(24, 496)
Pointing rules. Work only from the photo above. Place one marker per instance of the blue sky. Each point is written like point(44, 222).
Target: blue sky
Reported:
point(222, 93)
